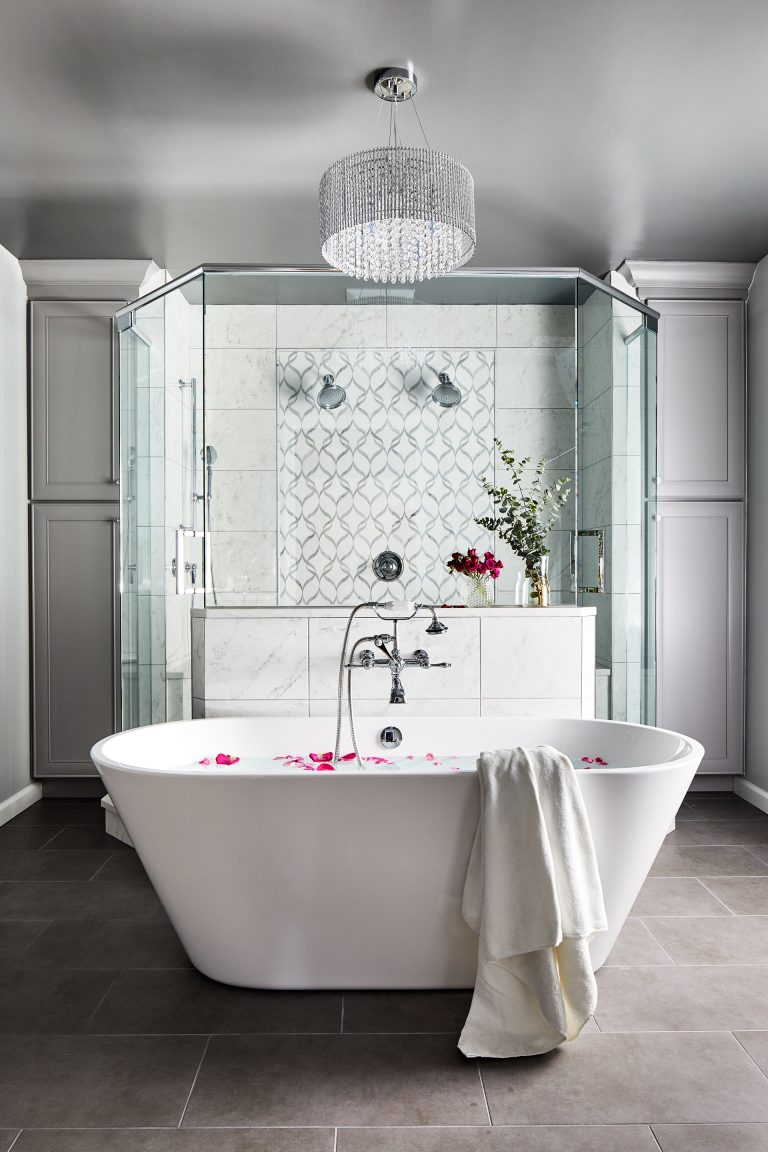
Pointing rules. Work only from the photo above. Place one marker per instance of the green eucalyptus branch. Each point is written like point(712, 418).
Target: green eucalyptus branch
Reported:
point(524, 514)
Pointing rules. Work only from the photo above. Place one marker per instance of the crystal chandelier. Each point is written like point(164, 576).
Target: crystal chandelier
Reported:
point(397, 213)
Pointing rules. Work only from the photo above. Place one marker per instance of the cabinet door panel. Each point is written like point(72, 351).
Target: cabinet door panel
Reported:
point(73, 400)
point(701, 389)
point(700, 627)
point(75, 633)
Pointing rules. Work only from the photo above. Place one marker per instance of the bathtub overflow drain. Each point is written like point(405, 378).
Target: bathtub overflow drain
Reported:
point(391, 737)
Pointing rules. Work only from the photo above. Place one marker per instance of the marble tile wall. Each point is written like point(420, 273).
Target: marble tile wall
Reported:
point(512, 662)
point(530, 349)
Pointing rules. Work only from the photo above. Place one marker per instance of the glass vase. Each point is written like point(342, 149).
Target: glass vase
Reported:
point(478, 591)
point(541, 593)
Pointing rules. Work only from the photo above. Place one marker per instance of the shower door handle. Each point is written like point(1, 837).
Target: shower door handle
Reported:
point(599, 535)
point(181, 566)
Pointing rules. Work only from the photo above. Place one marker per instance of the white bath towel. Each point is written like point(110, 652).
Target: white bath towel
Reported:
point(533, 895)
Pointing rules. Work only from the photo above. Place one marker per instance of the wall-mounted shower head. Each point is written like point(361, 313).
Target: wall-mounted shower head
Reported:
point(446, 394)
point(331, 394)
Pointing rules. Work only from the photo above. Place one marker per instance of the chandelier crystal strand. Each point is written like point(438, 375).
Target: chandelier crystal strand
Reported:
point(397, 214)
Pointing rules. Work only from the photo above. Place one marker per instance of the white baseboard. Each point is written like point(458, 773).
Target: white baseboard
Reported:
point(19, 801)
point(751, 792)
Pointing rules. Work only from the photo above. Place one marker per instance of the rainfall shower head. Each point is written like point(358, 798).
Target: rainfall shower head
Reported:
point(331, 394)
point(446, 394)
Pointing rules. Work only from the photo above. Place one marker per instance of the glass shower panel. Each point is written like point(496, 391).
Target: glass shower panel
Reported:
point(614, 558)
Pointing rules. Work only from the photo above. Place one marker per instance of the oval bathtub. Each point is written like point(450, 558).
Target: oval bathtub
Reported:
point(275, 877)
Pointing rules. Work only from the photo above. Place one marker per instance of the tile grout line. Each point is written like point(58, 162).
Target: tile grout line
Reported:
point(749, 1054)
point(194, 1082)
point(100, 868)
point(671, 958)
point(655, 1138)
point(706, 888)
point(482, 1089)
point(108, 989)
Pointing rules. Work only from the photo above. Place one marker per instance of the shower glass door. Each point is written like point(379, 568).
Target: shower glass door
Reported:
point(162, 566)
point(615, 553)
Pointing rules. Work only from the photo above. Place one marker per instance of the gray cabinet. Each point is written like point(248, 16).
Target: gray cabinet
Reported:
point(73, 400)
point(75, 550)
point(701, 396)
point(701, 627)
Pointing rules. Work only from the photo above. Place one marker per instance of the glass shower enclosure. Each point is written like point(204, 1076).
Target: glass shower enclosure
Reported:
point(286, 435)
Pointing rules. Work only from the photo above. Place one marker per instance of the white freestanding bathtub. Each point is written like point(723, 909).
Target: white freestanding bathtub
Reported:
point(277, 877)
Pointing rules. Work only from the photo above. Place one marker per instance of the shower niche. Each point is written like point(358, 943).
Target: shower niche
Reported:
point(282, 429)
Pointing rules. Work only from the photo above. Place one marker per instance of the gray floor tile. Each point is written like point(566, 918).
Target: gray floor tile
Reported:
point(722, 806)
point(48, 899)
point(7, 1137)
point(62, 812)
point(712, 1137)
point(56, 866)
point(744, 895)
point(16, 936)
point(85, 837)
point(107, 944)
point(405, 1011)
point(691, 833)
point(707, 862)
point(756, 1043)
point(324, 1080)
point(96, 1081)
point(185, 1001)
point(27, 836)
point(676, 896)
point(712, 939)
point(551, 1138)
point(42, 1002)
point(632, 1078)
point(178, 1140)
point(123, 867)
point(636, 945)
point(706, 999)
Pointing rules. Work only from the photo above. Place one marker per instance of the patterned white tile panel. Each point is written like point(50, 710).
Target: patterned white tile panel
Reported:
point(240, 326)
point(530, 658)
point(331, 326)
point(256, 659)
point(459, 646)
point(240, 378)
point(441, 326)
point(536, 326)
point(245, 501)
point(535, 378)
point(388, 470)
point(244, 439)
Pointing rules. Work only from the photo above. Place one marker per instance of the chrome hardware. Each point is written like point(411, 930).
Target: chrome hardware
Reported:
point(599, 535)
point(387, 566)
point(390, 737)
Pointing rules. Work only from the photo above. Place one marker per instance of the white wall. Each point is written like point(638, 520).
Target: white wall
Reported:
point(757, 535)
point(14, 601)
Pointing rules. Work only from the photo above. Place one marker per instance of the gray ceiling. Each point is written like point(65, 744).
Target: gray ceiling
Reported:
point(197, 130)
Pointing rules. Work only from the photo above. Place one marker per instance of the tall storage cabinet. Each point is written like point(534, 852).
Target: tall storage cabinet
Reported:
point(74, 511)
point(701, 391)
